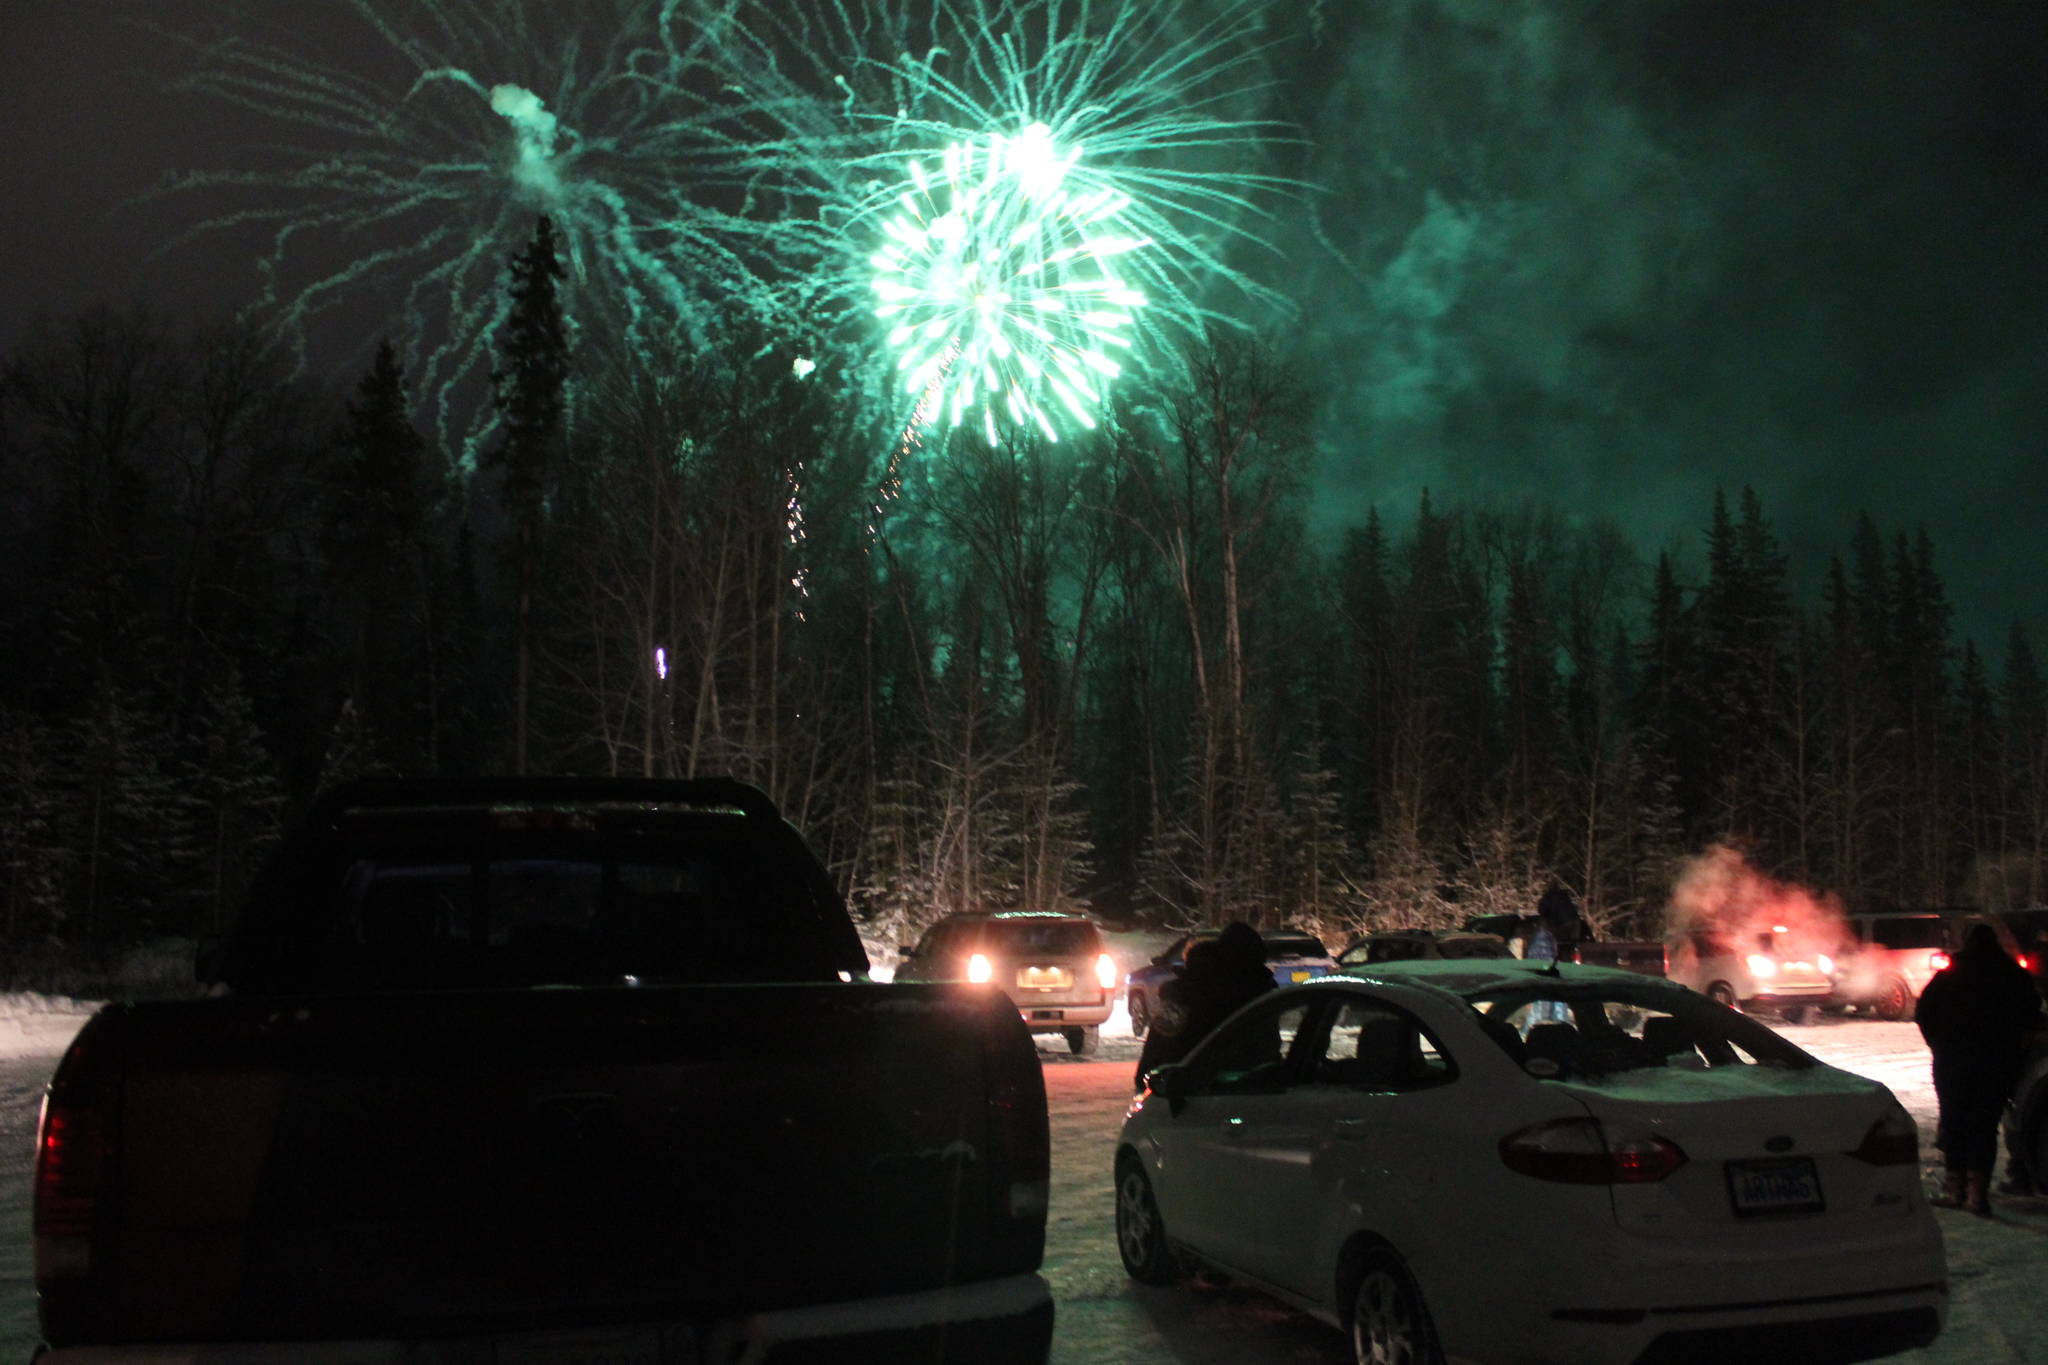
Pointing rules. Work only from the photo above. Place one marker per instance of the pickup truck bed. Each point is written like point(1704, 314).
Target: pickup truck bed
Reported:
point(596, 1171)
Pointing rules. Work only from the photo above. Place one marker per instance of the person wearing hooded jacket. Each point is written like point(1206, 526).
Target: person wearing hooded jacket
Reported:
point(1977, 1015)
point(1219, 976)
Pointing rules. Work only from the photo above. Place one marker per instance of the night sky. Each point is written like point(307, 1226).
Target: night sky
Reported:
point(1607, 254)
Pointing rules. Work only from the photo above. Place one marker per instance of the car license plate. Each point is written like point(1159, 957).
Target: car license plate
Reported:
point(622, 1346)
point(1044, 978)
point(1785, 1185)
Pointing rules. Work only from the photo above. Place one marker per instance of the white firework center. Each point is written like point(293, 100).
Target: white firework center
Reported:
point(1000, 278)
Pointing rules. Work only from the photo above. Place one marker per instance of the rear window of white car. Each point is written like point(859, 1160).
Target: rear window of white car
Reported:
point(1576, 1031)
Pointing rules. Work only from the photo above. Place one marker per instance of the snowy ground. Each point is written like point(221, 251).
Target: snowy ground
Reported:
point(1997, 1268)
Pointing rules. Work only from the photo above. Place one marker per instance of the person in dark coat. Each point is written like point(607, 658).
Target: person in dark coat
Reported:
point(1220, 975)
point(1560, 914)
point(1977, 1015)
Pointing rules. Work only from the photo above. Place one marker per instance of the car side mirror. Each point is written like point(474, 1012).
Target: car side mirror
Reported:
point(1170, 1082)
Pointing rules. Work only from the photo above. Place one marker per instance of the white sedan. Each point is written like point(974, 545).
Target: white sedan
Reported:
point(1510, 1161)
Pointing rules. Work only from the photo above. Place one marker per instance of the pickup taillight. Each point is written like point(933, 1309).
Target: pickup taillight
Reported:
point(75, 1186)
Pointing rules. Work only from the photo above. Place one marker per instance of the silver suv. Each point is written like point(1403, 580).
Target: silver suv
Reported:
point(1053, 966)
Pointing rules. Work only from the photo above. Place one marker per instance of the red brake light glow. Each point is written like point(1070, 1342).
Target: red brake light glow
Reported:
point(1938, 961)
point(1581, 1152)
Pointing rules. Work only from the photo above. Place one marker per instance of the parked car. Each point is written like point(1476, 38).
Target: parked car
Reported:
point(1499, 1160)
point(1781, 968)
point(1887, 959)
point(2026, 1123)
point(544, 1069)
point(1055, 967)
point(1292, 955)
point(1402, 945)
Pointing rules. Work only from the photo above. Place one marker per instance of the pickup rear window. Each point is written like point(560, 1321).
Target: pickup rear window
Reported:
point(399, 904)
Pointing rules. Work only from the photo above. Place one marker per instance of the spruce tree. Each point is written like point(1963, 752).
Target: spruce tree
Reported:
point(531, 389)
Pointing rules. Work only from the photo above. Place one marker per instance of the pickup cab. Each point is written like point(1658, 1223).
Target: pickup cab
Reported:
point(522, 1070)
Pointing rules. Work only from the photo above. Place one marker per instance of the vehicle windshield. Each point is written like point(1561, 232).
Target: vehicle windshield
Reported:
point(1563, 1030)
point(1294, 945)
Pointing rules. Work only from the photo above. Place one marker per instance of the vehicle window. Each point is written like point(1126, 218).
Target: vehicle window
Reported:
point(1566, 1031)
point(1251, 1052)
point(1061, 937)
point(1394, 950)
point(1908, 933)
point(1294, 945)
point(1371, 1046)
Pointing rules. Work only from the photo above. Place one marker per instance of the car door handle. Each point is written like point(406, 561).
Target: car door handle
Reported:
point(1350, 1128)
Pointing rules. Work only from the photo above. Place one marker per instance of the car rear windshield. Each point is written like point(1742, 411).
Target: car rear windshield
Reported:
point(1294, 945)
point(1564, 1030)
point(1052, 937)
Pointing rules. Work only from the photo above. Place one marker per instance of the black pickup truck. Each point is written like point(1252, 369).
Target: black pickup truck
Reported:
point(569, 1071)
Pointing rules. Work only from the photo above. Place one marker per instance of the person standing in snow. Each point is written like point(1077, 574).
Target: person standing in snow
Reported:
point(1977, 1015)
point(1560, 914)
point(1220, 975)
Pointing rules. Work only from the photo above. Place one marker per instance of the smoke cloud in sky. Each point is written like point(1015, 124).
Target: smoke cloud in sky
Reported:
point(1619, 255)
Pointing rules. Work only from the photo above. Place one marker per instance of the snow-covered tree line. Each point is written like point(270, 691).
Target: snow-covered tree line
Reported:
point(1112, 672)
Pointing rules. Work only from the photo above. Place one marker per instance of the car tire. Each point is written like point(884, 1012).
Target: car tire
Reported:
point(1141, 1016)
point(1721, 993)
point(1801, 1014)
point(1894, 1000)
point(1140, 1233)
point(1388, 1322)
point(1081, 1041)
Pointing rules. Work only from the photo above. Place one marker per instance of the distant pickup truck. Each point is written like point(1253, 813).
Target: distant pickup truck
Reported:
point(524, 1071)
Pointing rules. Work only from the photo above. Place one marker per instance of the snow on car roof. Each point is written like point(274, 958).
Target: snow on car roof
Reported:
point(1475, 976)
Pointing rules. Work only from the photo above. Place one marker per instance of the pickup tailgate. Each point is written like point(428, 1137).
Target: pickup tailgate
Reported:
point(407, 1164)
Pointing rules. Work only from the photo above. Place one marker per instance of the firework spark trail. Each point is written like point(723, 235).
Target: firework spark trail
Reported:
point(1043, 191)
point(748, 158)
point(422, 177)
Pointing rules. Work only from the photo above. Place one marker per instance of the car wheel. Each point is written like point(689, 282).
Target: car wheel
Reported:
point(1389, 1323)
point(1140, 1235)
point(1141, 1016)
point(1895, 1000)
point(1800, 1014)
point(1082, 1041)
point(1721, 993)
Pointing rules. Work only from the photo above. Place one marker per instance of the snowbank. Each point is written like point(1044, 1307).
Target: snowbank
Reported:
point(40, 1025)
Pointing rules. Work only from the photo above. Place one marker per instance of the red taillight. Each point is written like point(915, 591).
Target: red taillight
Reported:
point(73, 1162)
point(75, 1187)
point(1938, 961)
point(1894, 1140)
point(2026, 961)
point(1581, 1152)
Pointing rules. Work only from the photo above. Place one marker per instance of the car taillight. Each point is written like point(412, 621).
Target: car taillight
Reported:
point(1825, 963)
point(1105, 972)
point(75, 1187)
point(1938, 961)
point(980, 970)
point(1894, 1140)
point(2026, 961)
point(1581, 1152)
point(1759, 965)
